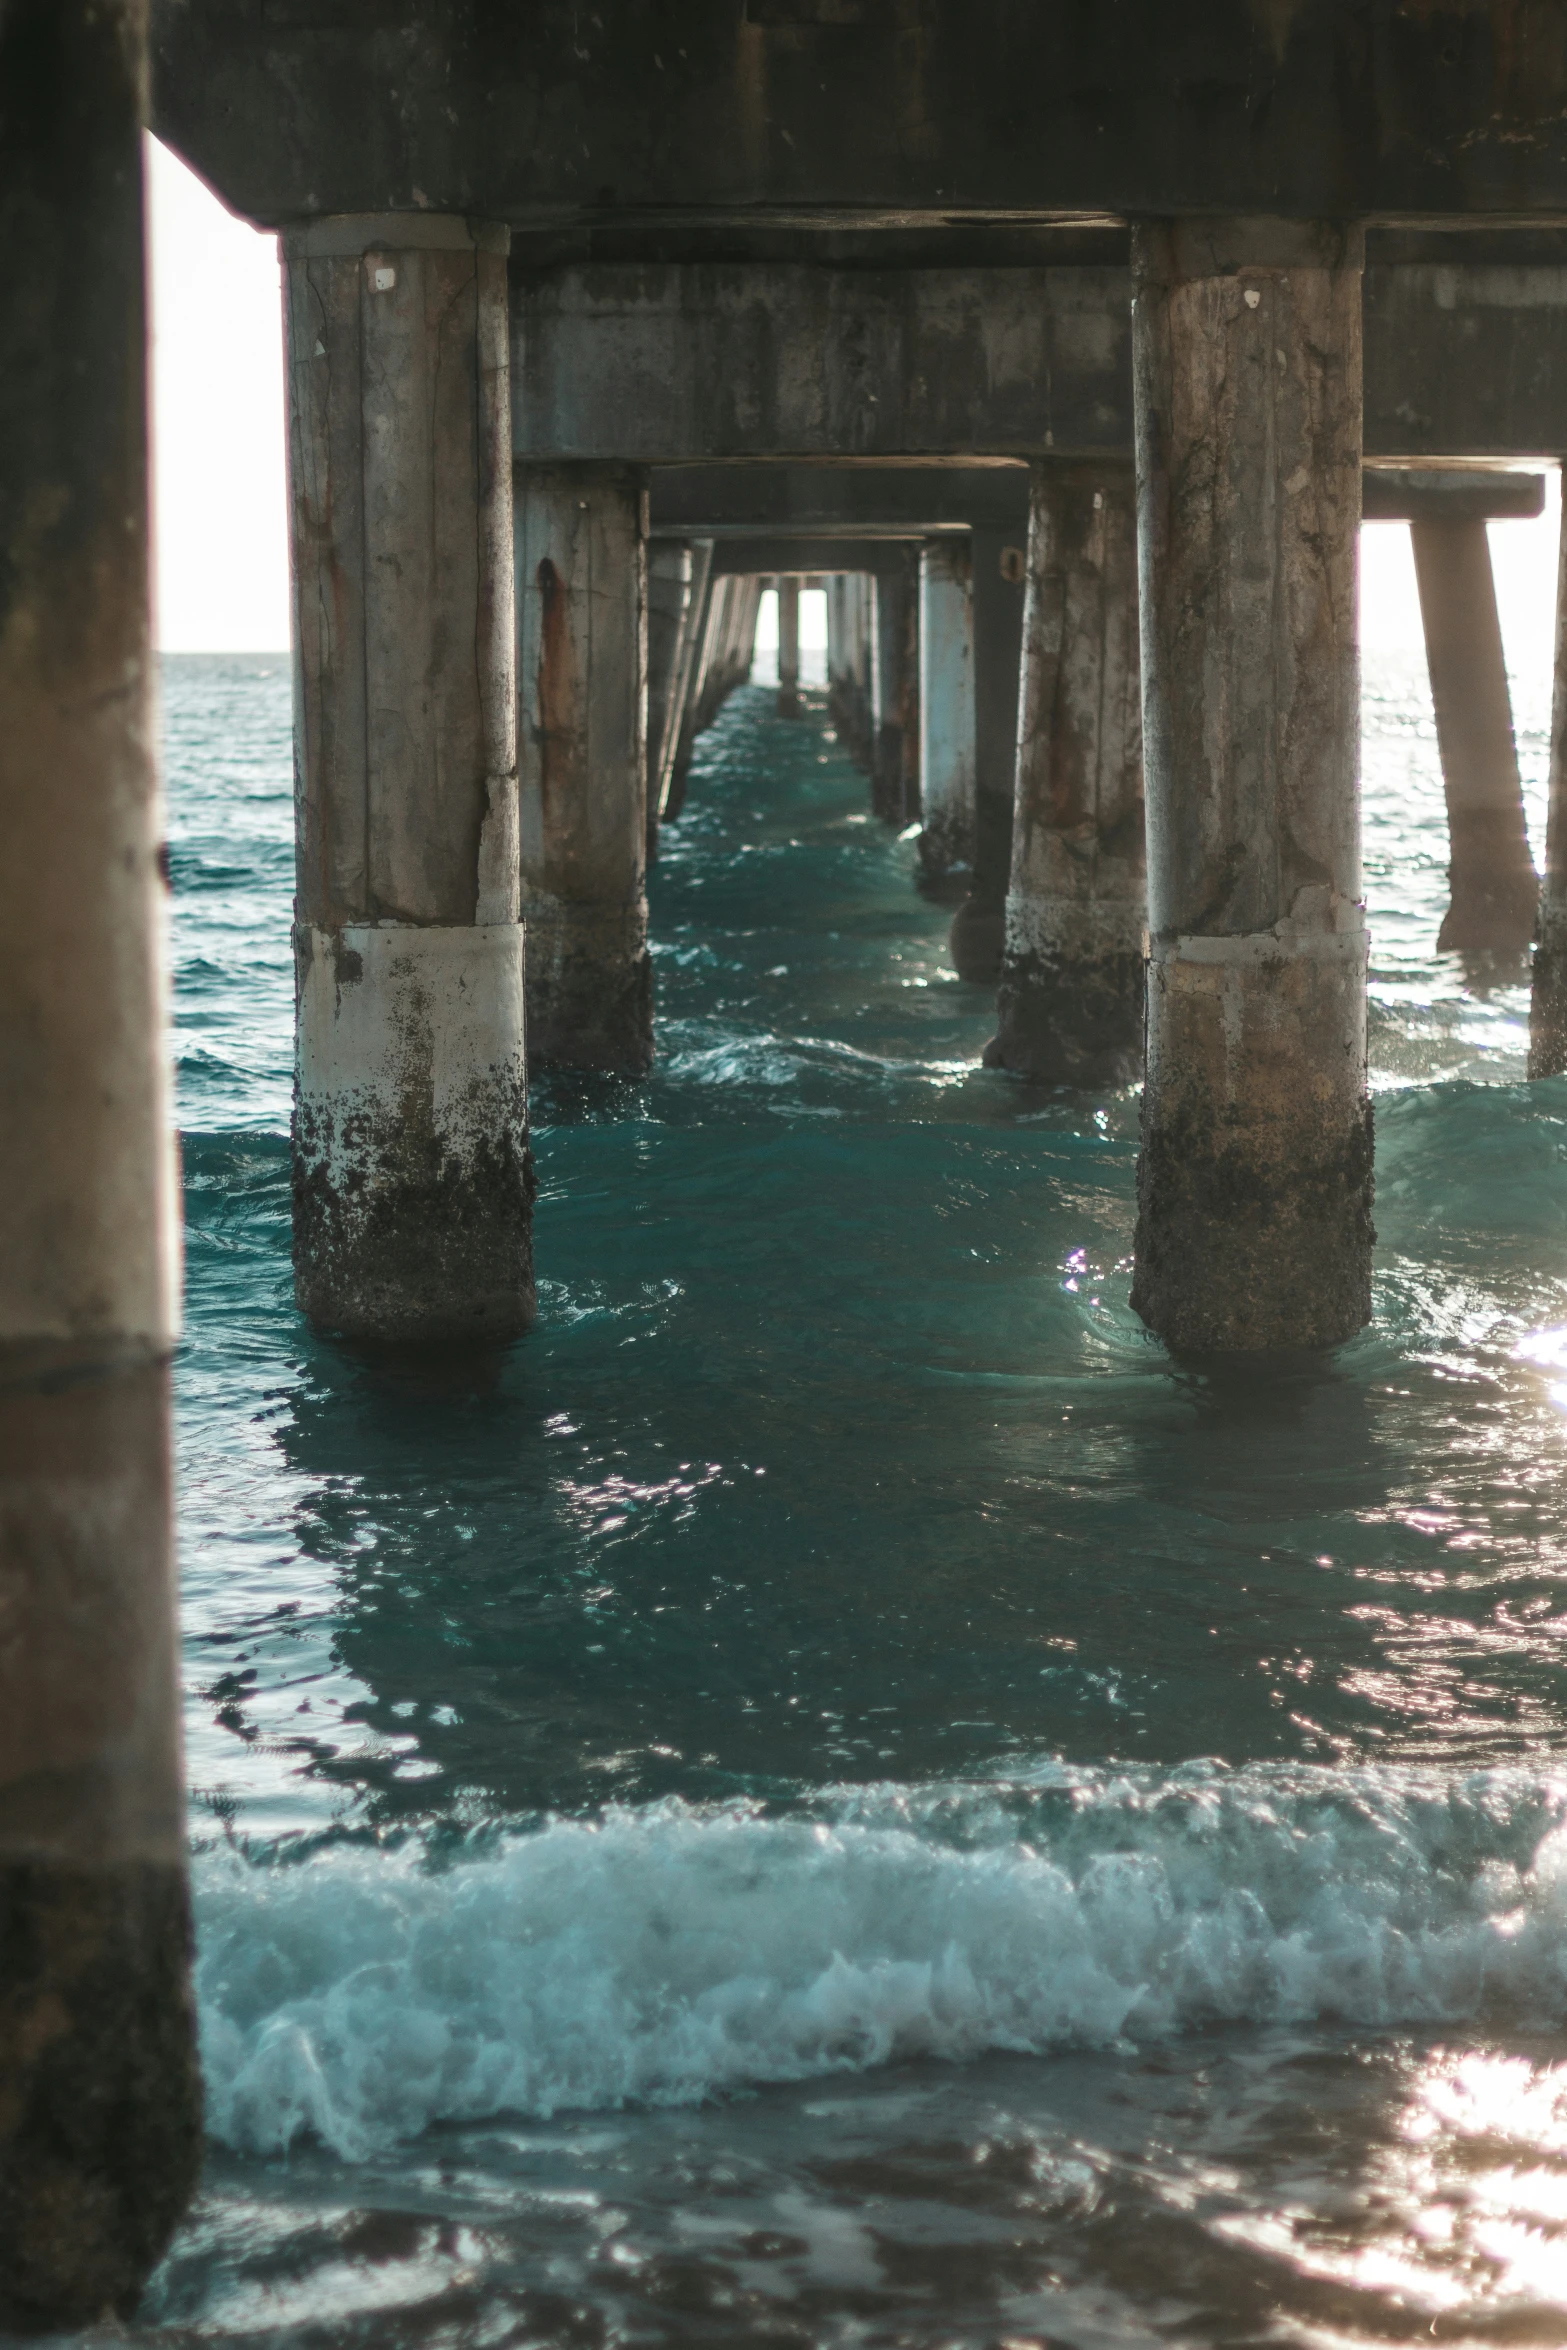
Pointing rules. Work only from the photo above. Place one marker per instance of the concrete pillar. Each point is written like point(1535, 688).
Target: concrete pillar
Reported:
point(891, 690)
point(100, 2098)
point(666, 783)
point(1548, 1004)
point(1254, 1186)
point(698, 712)
point(715, 664)
point(745, 645)
point(788, 648)
point(862, 739)
point(582, 675)
point(745, 596)
point(413, 1183)
point(850, 585)
point(1493, 884)
point(834, 587)
point(1071, 996)
point(909, 722)
point(979, 926)
point(946, 707)
point(745, 610)
point(668, 596)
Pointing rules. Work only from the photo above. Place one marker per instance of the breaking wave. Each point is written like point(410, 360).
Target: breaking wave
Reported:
point(667, 1954)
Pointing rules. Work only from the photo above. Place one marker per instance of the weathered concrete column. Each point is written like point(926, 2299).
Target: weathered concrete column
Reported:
point(835, 585)
point(946, 706)
point(859, 732)
point(745, 634)
point(788, 648)
point(666, 780)
point(716, 652)
point(892, 690)
point(1254, 1186)
point(911, 791)
point(1548, 1001)
point(1494, 888)
point(413, 1184)
point(865, 653)
point(582, 632)
point(745, 596)
point(669, 564)
point(979, 926)
point(100, 2098)
point(740, 649)
point(1071, 997)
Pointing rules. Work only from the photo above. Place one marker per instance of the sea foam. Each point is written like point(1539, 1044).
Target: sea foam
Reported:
point(670, 1954)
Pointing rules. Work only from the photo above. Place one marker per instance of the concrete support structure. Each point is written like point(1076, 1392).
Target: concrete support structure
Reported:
point(1071, 997)
point(995, 343)
point(100, 2097)
point(742, 644)
point(1548, 1003)
point(661, 785)
point(413, 1183)
point(979, 926)
point(895, 687)
point(723, 651)
point(835, 584)
point(1254, 1187)
point(788, 646)
point(858, 729)
point(707, 611)
point(582, 702)
point(716, 671)
point(946, 707)
point(1494, 888)
point(669, 569)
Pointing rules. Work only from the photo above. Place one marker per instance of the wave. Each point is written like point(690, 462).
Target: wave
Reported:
point(669, 1954)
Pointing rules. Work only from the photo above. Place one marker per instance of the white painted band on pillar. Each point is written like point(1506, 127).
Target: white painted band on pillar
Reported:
point(343, 236)
point(1322, 927)
point(1214, 1004)
point(422, 1022)
point(90, 1244)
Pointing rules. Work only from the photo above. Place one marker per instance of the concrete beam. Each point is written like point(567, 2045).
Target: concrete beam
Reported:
point(862, 501)
point(1451, 494)
point(686, 362)
point(864, 111)
point(764, 558)
point(882, 503)
point(665, 364)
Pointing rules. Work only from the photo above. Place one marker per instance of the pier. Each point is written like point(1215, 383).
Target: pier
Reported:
point(1065, 351)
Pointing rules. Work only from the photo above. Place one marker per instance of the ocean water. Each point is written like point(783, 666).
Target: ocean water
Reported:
point(836, 1796)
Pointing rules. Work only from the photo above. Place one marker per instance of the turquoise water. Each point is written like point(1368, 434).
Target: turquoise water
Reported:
point(835, 1796)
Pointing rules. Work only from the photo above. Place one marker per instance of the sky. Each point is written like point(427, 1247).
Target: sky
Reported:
point(218, 457)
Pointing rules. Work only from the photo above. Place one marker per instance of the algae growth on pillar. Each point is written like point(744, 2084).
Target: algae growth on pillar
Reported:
point(413, 1183)
point(1254, 1185)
